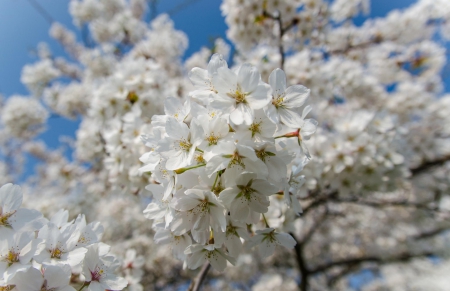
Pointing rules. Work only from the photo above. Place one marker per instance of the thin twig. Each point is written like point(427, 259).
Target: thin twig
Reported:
point(197, 281)
point(41, 11)
point(369, 259)
point(180, 7)
point(402, 203)
point(281, 32)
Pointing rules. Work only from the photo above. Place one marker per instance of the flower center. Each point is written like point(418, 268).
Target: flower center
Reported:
point(231, 230)
point(238, 95)
point(184, 145)
point(255, 128)
point(202, 208)
point(199, 159)
point(12, 257)
point(212, 139)
point(97, 274)
point(236, 159)
point(262, 154)
point(270, 237)
point(56, 253)
point(278, 102)
point(83, 239)
point(4, 219)
point(246, 190)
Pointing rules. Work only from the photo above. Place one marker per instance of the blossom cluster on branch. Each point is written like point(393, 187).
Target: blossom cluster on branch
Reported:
point(217, 158)
point(37, 253)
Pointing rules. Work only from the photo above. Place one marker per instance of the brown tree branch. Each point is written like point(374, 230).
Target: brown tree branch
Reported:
point(402, 203)
point(197, 281)
point(428, 165)
point(304, 272)
point(369, 259)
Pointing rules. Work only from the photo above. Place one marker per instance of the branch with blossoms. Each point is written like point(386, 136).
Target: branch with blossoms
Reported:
point(37, 253)
point(218, 157)
point(318, 200)
point(281, 32)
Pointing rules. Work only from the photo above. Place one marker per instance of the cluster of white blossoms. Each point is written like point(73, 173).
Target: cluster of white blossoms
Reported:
point(56, 254)
point(111, 20)
point(251, 21)
point(360, 156)
point(23, 117)
point(217, 158)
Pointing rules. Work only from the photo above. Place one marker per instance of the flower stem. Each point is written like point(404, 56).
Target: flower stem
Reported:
point(84, 285)
point(182, 170)
point(265, 221)
point(290, 134)
point(215, 181)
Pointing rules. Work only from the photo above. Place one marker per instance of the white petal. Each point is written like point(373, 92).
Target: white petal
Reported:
point(260, 97)
point(218, 262)
point(199, 77)
point(185, 203)
point(243, 114)
point(176, 130)
point(56, 276)
point(215, 63)
point(266, 248)
point(248, 77)
point(113, 282)
point(153, 211)
point(172, 105)
point(225, 81)
point(30, 280)
point(10, 198)
point(271, 112)
point(285, 240)
point(277, 81)
point(178, 161)
point(290, 118)
point(295, 96)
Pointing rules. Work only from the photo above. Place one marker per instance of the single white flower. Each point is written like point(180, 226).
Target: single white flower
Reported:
point(199, 254)
point(174, 108)
point(231, 238)
point(60, 245)
point(160, 205)
point(248, 198)
point(268, 238)
point(49, 278)
point(240, 92)
point(199, 209)
point(235, 158)
point(12, 217)
point(214, 131)
point(202, 79)
point(16, 252)
point(178, 243)
point(98, 271)
point(285, 101)
point(183, 142)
